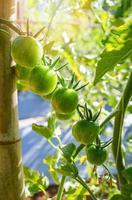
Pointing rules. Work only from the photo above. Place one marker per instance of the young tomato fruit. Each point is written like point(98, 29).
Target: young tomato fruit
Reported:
point(96, 155)
point(65, 100)
point(26, 51)
point(85, 131)
point(42, 80)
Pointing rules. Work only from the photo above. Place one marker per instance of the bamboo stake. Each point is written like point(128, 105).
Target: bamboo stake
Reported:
point(11, 172)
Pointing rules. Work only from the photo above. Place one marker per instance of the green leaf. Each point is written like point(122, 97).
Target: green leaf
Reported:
point(35, 181)
point(127, 173)
point(42, 130)
point(51, 162)
point(68, 150)
point(118, 47)
point(68, 170)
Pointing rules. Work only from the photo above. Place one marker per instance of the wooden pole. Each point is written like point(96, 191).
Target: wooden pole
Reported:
point(11, 172)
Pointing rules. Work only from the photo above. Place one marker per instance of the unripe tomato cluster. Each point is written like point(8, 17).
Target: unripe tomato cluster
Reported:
point(33, 75)
point(27, 52)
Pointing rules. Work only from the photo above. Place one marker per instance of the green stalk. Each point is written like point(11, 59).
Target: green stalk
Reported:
point(118, 125)
point(80, 180)
point(61, 188)
point(108, 118)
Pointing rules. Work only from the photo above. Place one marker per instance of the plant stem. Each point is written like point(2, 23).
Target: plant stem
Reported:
point(61, 188)
point(80, 180)
point(52, 144)
point(108, 118)
point(118, 124)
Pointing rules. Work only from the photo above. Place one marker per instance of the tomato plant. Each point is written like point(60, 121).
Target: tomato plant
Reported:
point(37, 72)
point(46, 80)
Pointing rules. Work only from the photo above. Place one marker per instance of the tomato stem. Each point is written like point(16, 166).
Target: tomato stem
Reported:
point(80, 180)
point(108, 118)
point(61, 188)
point(118, 125)
point(98, 142)
point(110, 175)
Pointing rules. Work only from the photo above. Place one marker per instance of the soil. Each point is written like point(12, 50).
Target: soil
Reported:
point(50, 192)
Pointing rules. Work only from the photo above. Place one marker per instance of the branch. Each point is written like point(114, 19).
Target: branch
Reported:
point(61, 187)
point(108, 118)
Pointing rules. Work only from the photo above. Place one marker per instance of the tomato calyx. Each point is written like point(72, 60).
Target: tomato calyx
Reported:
point(70, 84)
point(86, 113)
point(53, 64)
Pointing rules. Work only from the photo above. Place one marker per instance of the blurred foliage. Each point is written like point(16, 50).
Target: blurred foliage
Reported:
point(34, 181)
point(78, 30)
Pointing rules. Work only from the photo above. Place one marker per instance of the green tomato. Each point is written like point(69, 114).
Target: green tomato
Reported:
point(22, 73)
point(64, 116)
point(85, 131)
point(64, 100)
point(26, 51)
point(42, 80)
point(96, 155)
